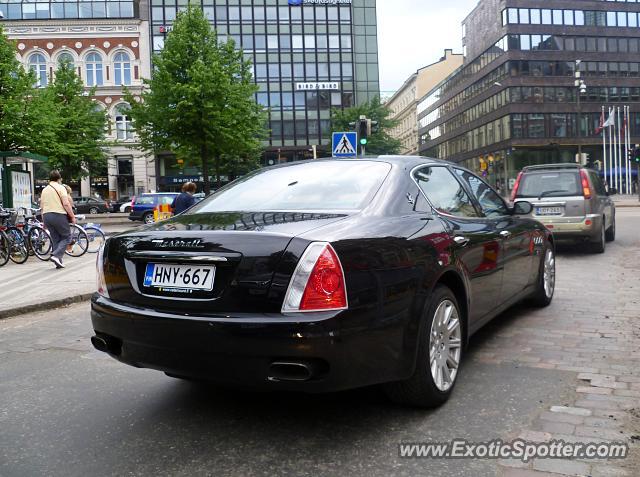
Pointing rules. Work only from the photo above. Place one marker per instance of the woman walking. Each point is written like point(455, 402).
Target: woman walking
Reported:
point(56, 215)
point(185, 200)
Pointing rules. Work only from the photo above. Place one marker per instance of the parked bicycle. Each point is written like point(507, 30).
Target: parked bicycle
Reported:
point(14, 243)
point(83, 238)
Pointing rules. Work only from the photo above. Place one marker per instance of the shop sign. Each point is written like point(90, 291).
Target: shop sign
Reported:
point(99, 181)
point(331, 85)
point(184, 179)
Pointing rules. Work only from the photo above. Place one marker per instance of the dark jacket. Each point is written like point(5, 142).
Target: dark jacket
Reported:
point(182, 202)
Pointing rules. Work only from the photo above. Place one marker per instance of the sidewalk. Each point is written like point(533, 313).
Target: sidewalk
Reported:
point(626, 200)
point(37, 285)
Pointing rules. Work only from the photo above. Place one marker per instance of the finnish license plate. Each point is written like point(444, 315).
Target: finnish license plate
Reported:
point(179, 278)
point(549, 211)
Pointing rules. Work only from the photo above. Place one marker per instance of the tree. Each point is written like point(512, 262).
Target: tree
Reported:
point(78, 125)
point(379, 142)
point(200, 101)
point(23, 114)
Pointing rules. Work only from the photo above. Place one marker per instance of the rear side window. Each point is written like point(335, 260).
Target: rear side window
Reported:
point(597, 183)
point(550, 184)
point(444, 191)
point(166, 199)
point(319, 185)
point(145, 200)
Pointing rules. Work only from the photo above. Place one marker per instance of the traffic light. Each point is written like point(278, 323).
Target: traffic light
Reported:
point(630, 154)
point(364, 129)
point(636, 155)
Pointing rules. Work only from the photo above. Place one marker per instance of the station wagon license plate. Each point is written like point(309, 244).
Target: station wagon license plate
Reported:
point(549, 211)
point(179, 278)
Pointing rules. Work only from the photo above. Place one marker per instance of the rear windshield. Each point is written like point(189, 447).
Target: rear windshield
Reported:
point(326, 185)
point(549, 184)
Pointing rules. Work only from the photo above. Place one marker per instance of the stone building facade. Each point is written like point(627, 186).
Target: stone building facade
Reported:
point(109, 54)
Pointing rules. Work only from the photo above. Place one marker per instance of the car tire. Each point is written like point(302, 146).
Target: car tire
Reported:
point(424, 388)
point(599, 245)
point(546, 282)
point(94, 210)
point(610, 234)
point(147, 218)
point(127, 210)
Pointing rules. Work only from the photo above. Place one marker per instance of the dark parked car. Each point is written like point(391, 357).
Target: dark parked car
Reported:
point(116, 204)
point(324, 275)
point(89, 205)
point(143, 205)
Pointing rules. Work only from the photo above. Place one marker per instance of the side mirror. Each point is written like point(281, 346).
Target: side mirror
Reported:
point(522, 207)
point(612, 191)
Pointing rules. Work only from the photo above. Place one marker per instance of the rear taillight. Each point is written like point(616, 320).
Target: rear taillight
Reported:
point(586, 190)
point(318, 282)
point(101, 282)
point(514, 192)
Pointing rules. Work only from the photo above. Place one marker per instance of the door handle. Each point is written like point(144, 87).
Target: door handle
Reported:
point(460, 240)
point(505, 234)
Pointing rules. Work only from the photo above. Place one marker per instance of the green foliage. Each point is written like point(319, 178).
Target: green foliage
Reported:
point(20, 118)
point(58, 121)
point(76, 125)
point(200, 101)
point(379, 142)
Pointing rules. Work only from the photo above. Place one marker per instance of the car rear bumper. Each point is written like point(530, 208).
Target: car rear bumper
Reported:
point(242, 350)
point(587, 226)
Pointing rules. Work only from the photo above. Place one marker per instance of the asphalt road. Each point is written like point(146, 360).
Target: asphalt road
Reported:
point(68, 410)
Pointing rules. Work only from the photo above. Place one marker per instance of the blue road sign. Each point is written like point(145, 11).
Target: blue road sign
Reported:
point(344, 144)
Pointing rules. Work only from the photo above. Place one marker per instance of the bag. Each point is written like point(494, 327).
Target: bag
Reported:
point(69, 217)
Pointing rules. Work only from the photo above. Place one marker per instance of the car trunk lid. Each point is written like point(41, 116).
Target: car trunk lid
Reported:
point(240, 251)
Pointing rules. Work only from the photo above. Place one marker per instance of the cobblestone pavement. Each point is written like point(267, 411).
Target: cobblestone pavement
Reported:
point(569, 371)
point(591, 328)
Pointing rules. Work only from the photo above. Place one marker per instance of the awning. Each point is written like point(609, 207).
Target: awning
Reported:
point(15, 157)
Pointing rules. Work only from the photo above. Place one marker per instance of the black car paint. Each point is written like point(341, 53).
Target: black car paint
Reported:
point(392, 257)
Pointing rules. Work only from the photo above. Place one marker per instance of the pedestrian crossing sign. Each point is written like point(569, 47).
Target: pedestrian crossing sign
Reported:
point(344, 144)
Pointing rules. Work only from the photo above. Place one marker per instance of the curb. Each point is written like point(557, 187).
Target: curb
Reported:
point(46, 305)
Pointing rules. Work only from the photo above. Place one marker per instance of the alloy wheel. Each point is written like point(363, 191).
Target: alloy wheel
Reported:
point(445, 345)
point(549, 273)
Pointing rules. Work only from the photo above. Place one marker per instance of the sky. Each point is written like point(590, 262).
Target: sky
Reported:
point(415, 33)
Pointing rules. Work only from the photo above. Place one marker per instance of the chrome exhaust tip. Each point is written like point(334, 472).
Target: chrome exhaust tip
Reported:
point(289, 371)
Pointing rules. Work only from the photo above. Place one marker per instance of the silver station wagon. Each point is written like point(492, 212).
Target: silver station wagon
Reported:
point(571, 201)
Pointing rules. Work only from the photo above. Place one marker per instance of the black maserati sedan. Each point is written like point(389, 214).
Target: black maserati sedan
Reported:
point(323, 275)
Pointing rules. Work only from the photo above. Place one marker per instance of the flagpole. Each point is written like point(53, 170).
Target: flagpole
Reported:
point(626, 149)
point(611, 182)
point(628, 129)
point(619, 151)
point(615, 152)
point(604, 146)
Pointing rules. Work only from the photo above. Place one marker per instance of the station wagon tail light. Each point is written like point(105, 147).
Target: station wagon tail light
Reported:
point(586, 190)
point(317, 283)
point(514, 192)
point(101, 282)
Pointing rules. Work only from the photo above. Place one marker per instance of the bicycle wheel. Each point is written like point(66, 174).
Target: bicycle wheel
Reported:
point(4, 249)
point(19, 253)
point(78, 242)
point(40, 242)
point(96, 238)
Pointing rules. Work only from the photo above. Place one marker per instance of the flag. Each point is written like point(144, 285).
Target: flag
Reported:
point(601, 126)
point(611, 121)
point(624, 124)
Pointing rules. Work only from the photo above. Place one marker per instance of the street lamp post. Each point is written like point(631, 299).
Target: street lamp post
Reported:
point(581, 88)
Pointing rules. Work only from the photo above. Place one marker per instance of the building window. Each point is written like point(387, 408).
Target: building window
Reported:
point(122, 69)
point(65, 58)
point(124, 127)
point(38, 64)
point(94, 70)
